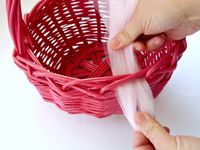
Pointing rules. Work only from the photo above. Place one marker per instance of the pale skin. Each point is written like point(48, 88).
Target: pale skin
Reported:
point(153, 136)
point(158, 21)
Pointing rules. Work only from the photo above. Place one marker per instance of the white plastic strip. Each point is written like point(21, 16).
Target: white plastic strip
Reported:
point(135, 95)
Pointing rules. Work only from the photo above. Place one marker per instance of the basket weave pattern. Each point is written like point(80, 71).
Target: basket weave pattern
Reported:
point(60, 45)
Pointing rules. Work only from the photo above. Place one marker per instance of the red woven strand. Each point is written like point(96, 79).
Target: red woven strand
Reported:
point(60, 46)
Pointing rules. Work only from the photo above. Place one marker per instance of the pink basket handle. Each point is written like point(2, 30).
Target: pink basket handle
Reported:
point(16, 24)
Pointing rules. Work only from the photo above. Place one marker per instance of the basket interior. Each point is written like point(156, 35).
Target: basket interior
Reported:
point(69, 37)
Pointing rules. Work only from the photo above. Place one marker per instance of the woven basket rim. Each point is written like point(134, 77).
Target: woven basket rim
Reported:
point(30, 15)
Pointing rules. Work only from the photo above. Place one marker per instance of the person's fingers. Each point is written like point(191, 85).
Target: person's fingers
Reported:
point(154, 131)
point(155, 42)
point(152, 43)
point(126, 36)
point(145, 147)
point(140, 139)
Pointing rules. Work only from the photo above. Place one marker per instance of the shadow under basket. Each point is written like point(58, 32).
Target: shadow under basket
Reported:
point(60, 45)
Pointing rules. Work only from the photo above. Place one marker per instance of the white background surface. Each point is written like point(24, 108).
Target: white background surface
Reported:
point(29, 123)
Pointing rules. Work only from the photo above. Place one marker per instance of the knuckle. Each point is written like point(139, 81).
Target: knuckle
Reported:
point(177, 142)
point(180, 143)
point(125, 35)
point(147, 25)
point(151, 129)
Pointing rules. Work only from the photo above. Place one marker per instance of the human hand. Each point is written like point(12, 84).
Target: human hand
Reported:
point(153, 136)
point(159, 20)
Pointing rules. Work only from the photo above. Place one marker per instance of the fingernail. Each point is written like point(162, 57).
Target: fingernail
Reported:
point(157, 42)
point(141, 119)
point(136, 48)
point(115, 43)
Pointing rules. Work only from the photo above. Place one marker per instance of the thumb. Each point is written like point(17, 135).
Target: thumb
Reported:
point(158, 136)
point(125, 37)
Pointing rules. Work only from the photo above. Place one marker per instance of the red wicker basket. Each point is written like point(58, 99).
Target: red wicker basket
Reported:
point(60, 46)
